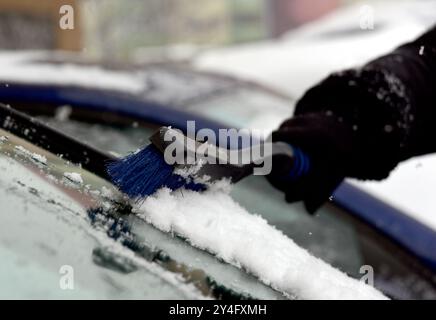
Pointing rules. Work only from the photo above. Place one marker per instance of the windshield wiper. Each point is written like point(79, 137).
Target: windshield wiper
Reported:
point(40, 134)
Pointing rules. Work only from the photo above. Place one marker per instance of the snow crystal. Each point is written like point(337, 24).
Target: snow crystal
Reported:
point(95, 193)
point(52, 178)
point(34, 156)
point(106, 192)
point(74, 177)
point(63, 113)
point(214, 222)
point(191, 172)
point(421, 50)
point(389, 128)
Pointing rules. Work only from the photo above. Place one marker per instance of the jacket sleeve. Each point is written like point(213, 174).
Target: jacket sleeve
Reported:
point(389, 103)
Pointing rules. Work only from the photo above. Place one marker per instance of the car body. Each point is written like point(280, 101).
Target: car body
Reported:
point(112, 112)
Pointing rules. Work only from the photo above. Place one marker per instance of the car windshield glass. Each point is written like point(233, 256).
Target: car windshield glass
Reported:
point(246, 108)
point(92, 231)
point(117, 141)
point(330, 234)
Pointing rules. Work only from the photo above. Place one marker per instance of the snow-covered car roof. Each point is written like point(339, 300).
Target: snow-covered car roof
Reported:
point(210, 94)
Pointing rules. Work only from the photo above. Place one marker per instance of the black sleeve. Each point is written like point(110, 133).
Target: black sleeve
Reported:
point(389, 104)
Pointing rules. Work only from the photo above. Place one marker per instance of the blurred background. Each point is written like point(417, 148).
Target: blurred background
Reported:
point(146, 29)
point(272, 42)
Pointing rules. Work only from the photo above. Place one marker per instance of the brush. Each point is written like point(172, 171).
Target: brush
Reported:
point(142, 173)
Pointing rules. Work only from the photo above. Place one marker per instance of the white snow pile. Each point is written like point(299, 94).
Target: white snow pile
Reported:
point(32, 155)
point(22, 71)
point(74, 177)
point(213, 221)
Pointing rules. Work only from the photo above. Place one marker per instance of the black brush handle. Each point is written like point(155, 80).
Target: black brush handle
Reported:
point(38, 133)
point(290, 163)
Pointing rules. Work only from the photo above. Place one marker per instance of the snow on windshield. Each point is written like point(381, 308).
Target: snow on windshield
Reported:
point(43, 228)
point(32, 155)
point(213, 221)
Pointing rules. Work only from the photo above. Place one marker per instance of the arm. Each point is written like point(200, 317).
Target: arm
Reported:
point(362, 122)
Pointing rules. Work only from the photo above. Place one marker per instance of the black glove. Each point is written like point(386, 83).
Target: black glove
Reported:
point(347, 131)
point(327, 143)
point(362, 122)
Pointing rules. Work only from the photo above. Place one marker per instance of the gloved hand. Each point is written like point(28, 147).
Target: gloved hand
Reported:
point(347, 130)
point(328, 143)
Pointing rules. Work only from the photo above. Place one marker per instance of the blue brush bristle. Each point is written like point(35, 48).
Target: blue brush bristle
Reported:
point(141, 174)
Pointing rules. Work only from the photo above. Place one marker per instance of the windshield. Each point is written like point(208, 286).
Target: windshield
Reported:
point(329, 235)
point(107, 74)
point(246, 108)
point(90, 232)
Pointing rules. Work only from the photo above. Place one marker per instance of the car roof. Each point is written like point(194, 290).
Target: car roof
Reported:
point(133, 91)
point(163, 83)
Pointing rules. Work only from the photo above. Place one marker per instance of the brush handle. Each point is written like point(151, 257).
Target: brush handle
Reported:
point(288, 168)
point(52, 140)
point(289, 163)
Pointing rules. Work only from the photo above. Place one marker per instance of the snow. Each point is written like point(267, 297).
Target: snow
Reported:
point(34, 156)
point(20, 70)
point(421, 50)
point(106, 192)
point(63, 113)
point(31, 256)
point(9, 57)
point(191, 171)
point(74, 177)
point(410, 188)
point(213, 221)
